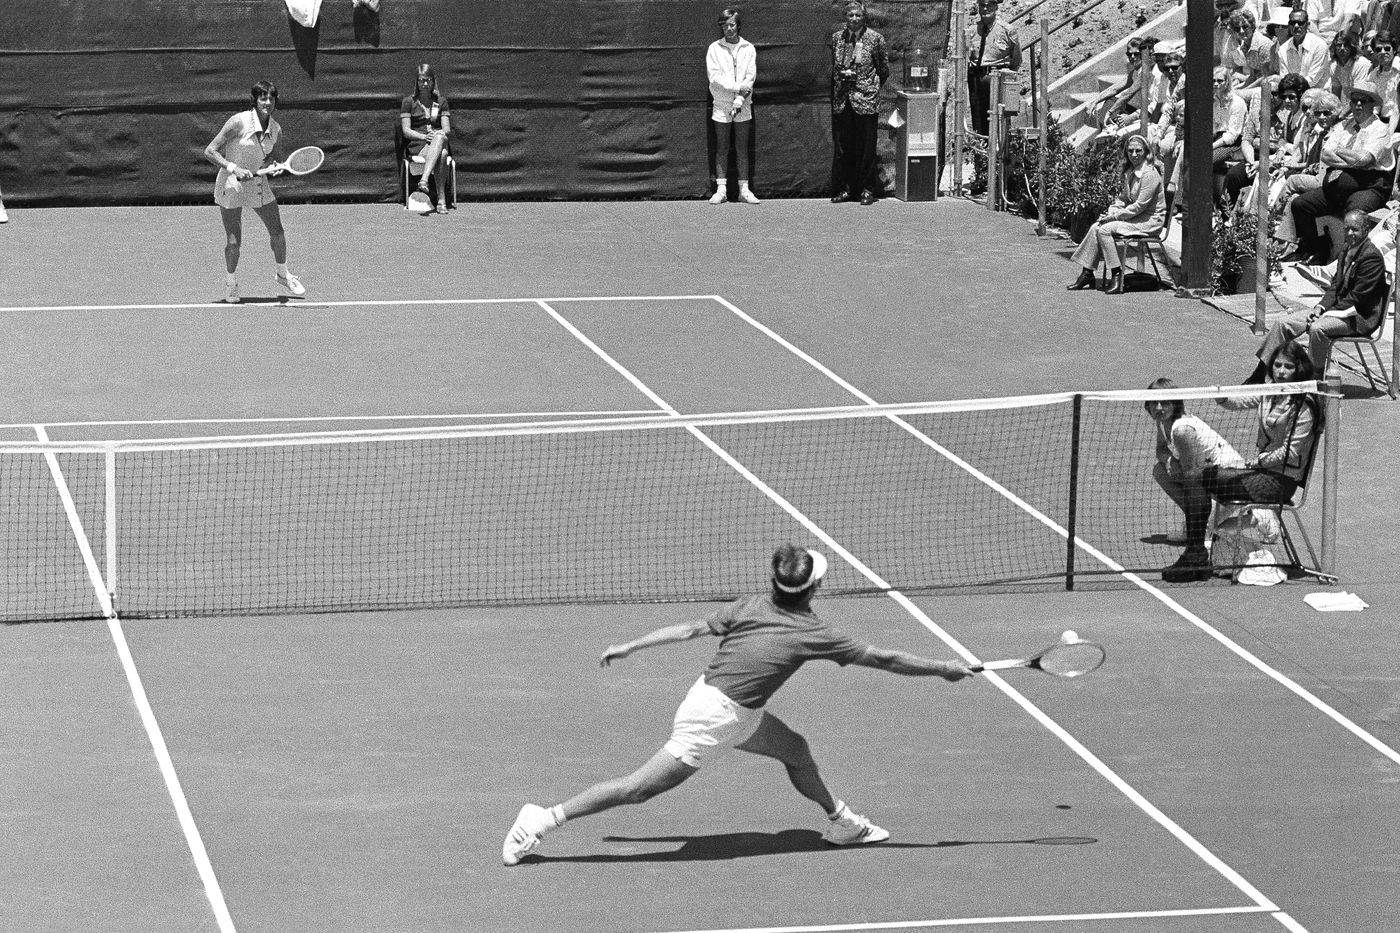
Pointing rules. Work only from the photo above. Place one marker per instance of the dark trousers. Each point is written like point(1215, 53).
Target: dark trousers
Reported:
point(854, 165)
point(733, 136)
point(1362, 191)
point(979, 97)
point(1231, 483)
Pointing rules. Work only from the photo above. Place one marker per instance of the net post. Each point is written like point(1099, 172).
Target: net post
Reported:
point(994, 144)
point(110, 523)
point(960, 95)
point(1073, 508)
point(1331, 447)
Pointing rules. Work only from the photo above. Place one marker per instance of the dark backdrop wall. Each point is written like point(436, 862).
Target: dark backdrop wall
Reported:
point(108, 102)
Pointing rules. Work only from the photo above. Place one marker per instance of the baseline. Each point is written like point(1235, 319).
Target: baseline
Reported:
point(355, 303)
point(1261, 902)
point(999, 921)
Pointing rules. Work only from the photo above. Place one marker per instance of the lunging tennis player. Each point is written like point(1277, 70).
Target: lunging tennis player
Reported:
point(244, 145)
point(764, 640)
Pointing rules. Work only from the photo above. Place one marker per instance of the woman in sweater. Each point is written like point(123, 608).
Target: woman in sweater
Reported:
point(1139, 208)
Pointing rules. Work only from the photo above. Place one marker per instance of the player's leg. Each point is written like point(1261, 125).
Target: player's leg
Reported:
point(232, 218)
point(271, 216)
point(776, 739)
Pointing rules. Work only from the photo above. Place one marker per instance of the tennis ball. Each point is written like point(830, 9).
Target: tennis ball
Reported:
point(1070, 637)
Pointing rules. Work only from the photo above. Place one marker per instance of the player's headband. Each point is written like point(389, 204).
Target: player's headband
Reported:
point(818, 571)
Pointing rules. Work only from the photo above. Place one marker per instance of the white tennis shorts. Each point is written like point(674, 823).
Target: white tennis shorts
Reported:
point(708, 723)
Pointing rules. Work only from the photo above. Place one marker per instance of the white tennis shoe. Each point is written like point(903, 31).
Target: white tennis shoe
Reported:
point(231, 295)
point(719, 197)
point(525, 834)
point(747, 196)
point(852, 829)
point(292, 284)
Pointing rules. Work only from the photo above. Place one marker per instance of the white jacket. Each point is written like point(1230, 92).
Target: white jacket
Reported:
point(732, 70)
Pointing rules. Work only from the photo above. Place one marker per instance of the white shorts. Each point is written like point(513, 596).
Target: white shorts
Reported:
point(708, 723)
point(229, 192)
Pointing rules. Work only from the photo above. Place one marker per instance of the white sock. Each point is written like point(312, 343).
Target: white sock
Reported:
point(556, 816)
point(839, 812)
point(282, 270)
point(233, 278)
point(743, 185)
point(721, 184)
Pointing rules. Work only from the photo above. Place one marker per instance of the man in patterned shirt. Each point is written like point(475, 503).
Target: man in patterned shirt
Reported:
point(859, 67)
point(764, 640)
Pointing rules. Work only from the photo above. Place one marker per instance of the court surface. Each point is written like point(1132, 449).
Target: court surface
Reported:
point(1233, 768)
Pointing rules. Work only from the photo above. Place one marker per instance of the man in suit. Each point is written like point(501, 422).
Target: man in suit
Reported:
point(1353, 305)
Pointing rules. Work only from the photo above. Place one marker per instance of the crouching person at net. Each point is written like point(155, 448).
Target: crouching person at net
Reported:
point(1354, 304)
point(764, 639)
point(1139, 209)
point(1288, 428)
point(1186, 446)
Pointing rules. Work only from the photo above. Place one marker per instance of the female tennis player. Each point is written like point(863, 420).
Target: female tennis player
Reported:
point(764, 639)
point(248, 142)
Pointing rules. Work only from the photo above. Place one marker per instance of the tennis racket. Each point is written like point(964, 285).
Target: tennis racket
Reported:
point(1068, 657)
point(303, 161)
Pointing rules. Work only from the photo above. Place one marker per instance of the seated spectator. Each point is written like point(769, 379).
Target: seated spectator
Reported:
point(1301, 168)
point(426, 123)
point(1228, 115)
point(1284, 119)
point(1168, 137)
point(1347, 16)
point(1303, 53)
point(1358, 162)
point(1347, 63)
point(1288, 427)
point(1106, 104)
point(1384, 75)
point(1246, 50)
point(1139, 208)
point(1186, 445)
point(1354, 304)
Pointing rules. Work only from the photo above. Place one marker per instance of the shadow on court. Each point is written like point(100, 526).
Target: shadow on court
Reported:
point(725, 846)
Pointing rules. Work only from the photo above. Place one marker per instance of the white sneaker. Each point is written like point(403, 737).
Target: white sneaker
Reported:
point(849, 829)
point(231, 296)
point(747, 196)
point(4, 217)
point(525, 834)
point(292, 284)
point(720, 196)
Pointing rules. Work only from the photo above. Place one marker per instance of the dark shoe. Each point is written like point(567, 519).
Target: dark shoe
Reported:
point(1192, 566)
point(841, 198)
point(1115, 283)
point(1086, 280)
point(867, 198)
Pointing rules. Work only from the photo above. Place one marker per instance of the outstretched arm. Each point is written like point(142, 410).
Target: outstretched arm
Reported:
point(911, 665)
point(670, 634)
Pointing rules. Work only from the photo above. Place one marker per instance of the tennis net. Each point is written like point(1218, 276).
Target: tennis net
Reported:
point(945, 495)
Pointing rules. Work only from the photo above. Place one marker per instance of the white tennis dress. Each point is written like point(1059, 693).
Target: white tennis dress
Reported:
point(248, 146)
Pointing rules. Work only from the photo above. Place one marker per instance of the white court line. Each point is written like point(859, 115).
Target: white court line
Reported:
point(366, 303)
point(1249, 657)
point(991, 921)
point(315, 419)
point(212, 891)
point(1039, 715)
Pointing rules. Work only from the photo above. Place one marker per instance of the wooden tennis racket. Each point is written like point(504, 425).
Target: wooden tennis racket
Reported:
point(303, 161)
point(1069, 657)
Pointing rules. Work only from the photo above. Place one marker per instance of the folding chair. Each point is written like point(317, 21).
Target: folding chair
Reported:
point(1371, 340)
point(1141, 244)
point(411, 167)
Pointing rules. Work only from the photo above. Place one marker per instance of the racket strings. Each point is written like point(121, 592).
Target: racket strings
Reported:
point(305, 159)
point(1072, 660)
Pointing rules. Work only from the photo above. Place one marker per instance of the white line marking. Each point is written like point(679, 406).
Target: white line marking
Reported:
point(379, 303)
point(326, 419)
point(1238, 649)
point(1289, 923)
point(1092, 760)
point(989, 921)
point(143, 705)
point(1035, 712)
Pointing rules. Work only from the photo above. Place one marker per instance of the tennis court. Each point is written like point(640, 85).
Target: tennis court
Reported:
point(276, 767)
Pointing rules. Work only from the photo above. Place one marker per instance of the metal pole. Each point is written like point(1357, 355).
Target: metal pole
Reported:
point(1394, 325)
point(1261, 209)
point(1144, 80)
point(959, 75)
point(1197, 195)
point(994, 143)
point(1331, 444)
point(1042, 105)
